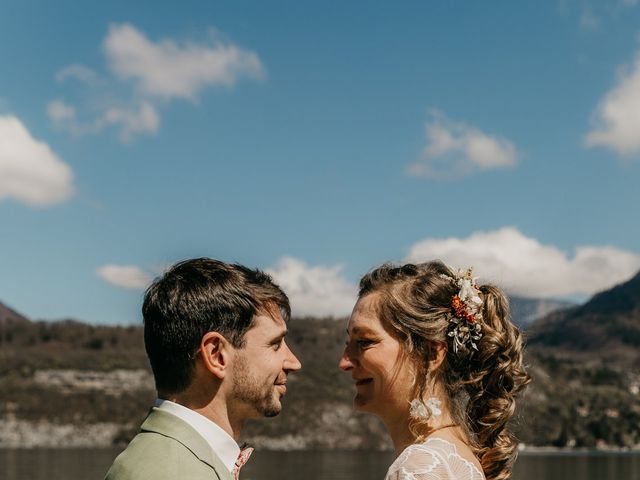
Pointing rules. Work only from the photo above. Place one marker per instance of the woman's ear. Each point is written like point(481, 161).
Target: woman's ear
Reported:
point(438, 358)
point(214, 353)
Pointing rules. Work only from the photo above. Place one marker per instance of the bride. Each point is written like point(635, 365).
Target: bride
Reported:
point(436, 357)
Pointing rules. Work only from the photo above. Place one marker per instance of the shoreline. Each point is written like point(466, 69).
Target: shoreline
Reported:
point(528, 451)
point(578, 451)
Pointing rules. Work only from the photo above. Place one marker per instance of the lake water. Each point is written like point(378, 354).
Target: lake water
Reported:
point(89, 464)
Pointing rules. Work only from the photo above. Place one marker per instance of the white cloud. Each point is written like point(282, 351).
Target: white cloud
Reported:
point(589, 21)
point(129, 120)
point(617, 117)
point(166, 69)
point(455, 149)
point(58, 111)
point(80, 73)
point(63, 116)
point(124, 276)
point(152, 73)
point(314, 290)
point(524, 266)
point(30, 171)
point(132, 122)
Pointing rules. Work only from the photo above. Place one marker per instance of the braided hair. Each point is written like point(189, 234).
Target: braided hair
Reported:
point(414, 301)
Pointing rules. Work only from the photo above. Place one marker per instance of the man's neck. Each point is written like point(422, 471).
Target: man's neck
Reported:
point(215, 410)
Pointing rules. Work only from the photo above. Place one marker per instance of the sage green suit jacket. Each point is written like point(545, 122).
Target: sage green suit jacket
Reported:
point(167, 448)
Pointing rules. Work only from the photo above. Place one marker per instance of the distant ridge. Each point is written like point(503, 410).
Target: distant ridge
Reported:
point(525, 311)
point(623, 298)
point(609, 323)
point(8, 316)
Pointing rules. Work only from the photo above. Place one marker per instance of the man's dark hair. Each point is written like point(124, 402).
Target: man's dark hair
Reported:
point(199, 296)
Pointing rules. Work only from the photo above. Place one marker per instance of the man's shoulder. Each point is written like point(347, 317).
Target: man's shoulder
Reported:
point(153, 455)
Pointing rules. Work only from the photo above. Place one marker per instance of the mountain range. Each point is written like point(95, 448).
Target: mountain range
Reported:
point(584, 360)
point(608, 325)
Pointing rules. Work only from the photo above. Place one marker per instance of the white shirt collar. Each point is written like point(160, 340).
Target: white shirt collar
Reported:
point(222, 444)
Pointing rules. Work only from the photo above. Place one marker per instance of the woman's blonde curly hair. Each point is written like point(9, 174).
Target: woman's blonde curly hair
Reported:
point(414, 304)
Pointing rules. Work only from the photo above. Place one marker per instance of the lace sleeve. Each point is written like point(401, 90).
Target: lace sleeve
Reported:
point(416, 464)
point(432, 461)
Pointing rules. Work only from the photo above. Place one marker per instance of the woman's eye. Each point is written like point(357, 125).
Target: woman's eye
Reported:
point(364, 343)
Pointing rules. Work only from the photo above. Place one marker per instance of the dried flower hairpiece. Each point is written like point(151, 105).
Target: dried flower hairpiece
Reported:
point(465, 327)
point(421, 410)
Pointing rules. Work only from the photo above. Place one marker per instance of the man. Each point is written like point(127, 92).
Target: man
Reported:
point(214, 334)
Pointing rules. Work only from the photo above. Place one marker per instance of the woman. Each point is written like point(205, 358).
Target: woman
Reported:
point(438, 360)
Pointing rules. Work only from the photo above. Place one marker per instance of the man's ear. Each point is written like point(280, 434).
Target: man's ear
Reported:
point(438, 358)
point(215, 352)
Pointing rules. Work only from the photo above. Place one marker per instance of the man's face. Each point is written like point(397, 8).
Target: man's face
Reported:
point(260, 368)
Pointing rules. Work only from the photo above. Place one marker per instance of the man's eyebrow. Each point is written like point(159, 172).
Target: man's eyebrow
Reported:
point(281, 335)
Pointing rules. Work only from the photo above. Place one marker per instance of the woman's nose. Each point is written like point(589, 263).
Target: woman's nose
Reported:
point(345, 362)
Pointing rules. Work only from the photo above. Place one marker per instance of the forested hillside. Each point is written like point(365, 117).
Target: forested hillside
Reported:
point(68, 383)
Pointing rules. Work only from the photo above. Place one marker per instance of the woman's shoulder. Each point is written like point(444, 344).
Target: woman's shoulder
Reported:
point(435, 458)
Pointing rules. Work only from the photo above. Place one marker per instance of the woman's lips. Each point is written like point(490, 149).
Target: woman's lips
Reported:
point(364, 381)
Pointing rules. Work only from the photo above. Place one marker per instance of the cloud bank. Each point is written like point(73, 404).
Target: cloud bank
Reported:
point(526, 267)
point(30, 172)
point(317, 291)
point(456, 149)
point(521, 265)
point(617, 117)
point(124, 276)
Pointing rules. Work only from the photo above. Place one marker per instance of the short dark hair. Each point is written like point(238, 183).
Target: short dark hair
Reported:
point(199, 296)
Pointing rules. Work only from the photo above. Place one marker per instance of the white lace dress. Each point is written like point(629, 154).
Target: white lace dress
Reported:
point(435, 459)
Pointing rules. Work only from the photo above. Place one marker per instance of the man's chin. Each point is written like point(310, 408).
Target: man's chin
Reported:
point(272, 410)
point(271, 413)
point(270, 407)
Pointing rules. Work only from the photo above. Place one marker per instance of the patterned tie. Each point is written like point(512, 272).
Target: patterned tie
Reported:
point(243, 456)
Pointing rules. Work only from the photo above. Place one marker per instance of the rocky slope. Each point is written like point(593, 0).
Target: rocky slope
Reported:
point(586, 365)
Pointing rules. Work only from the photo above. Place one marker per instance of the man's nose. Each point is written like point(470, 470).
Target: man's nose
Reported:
point(291, 363)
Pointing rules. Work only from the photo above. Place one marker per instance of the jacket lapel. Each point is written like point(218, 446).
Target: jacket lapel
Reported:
point(169, 425)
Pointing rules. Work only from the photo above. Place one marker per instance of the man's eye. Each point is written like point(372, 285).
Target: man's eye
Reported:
point(277, 345)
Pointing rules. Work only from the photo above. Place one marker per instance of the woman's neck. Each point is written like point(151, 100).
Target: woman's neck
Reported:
point(399, 432)
point(401, 435)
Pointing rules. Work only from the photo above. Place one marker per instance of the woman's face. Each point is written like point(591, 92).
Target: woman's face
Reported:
point(382, 375)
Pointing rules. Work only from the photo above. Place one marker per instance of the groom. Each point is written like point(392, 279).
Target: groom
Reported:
point(214, 334)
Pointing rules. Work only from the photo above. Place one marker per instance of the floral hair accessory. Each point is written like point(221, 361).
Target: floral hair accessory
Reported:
point(465, 328)
point(421, 410)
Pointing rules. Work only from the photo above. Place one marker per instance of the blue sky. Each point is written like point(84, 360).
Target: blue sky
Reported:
point(315, 141)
